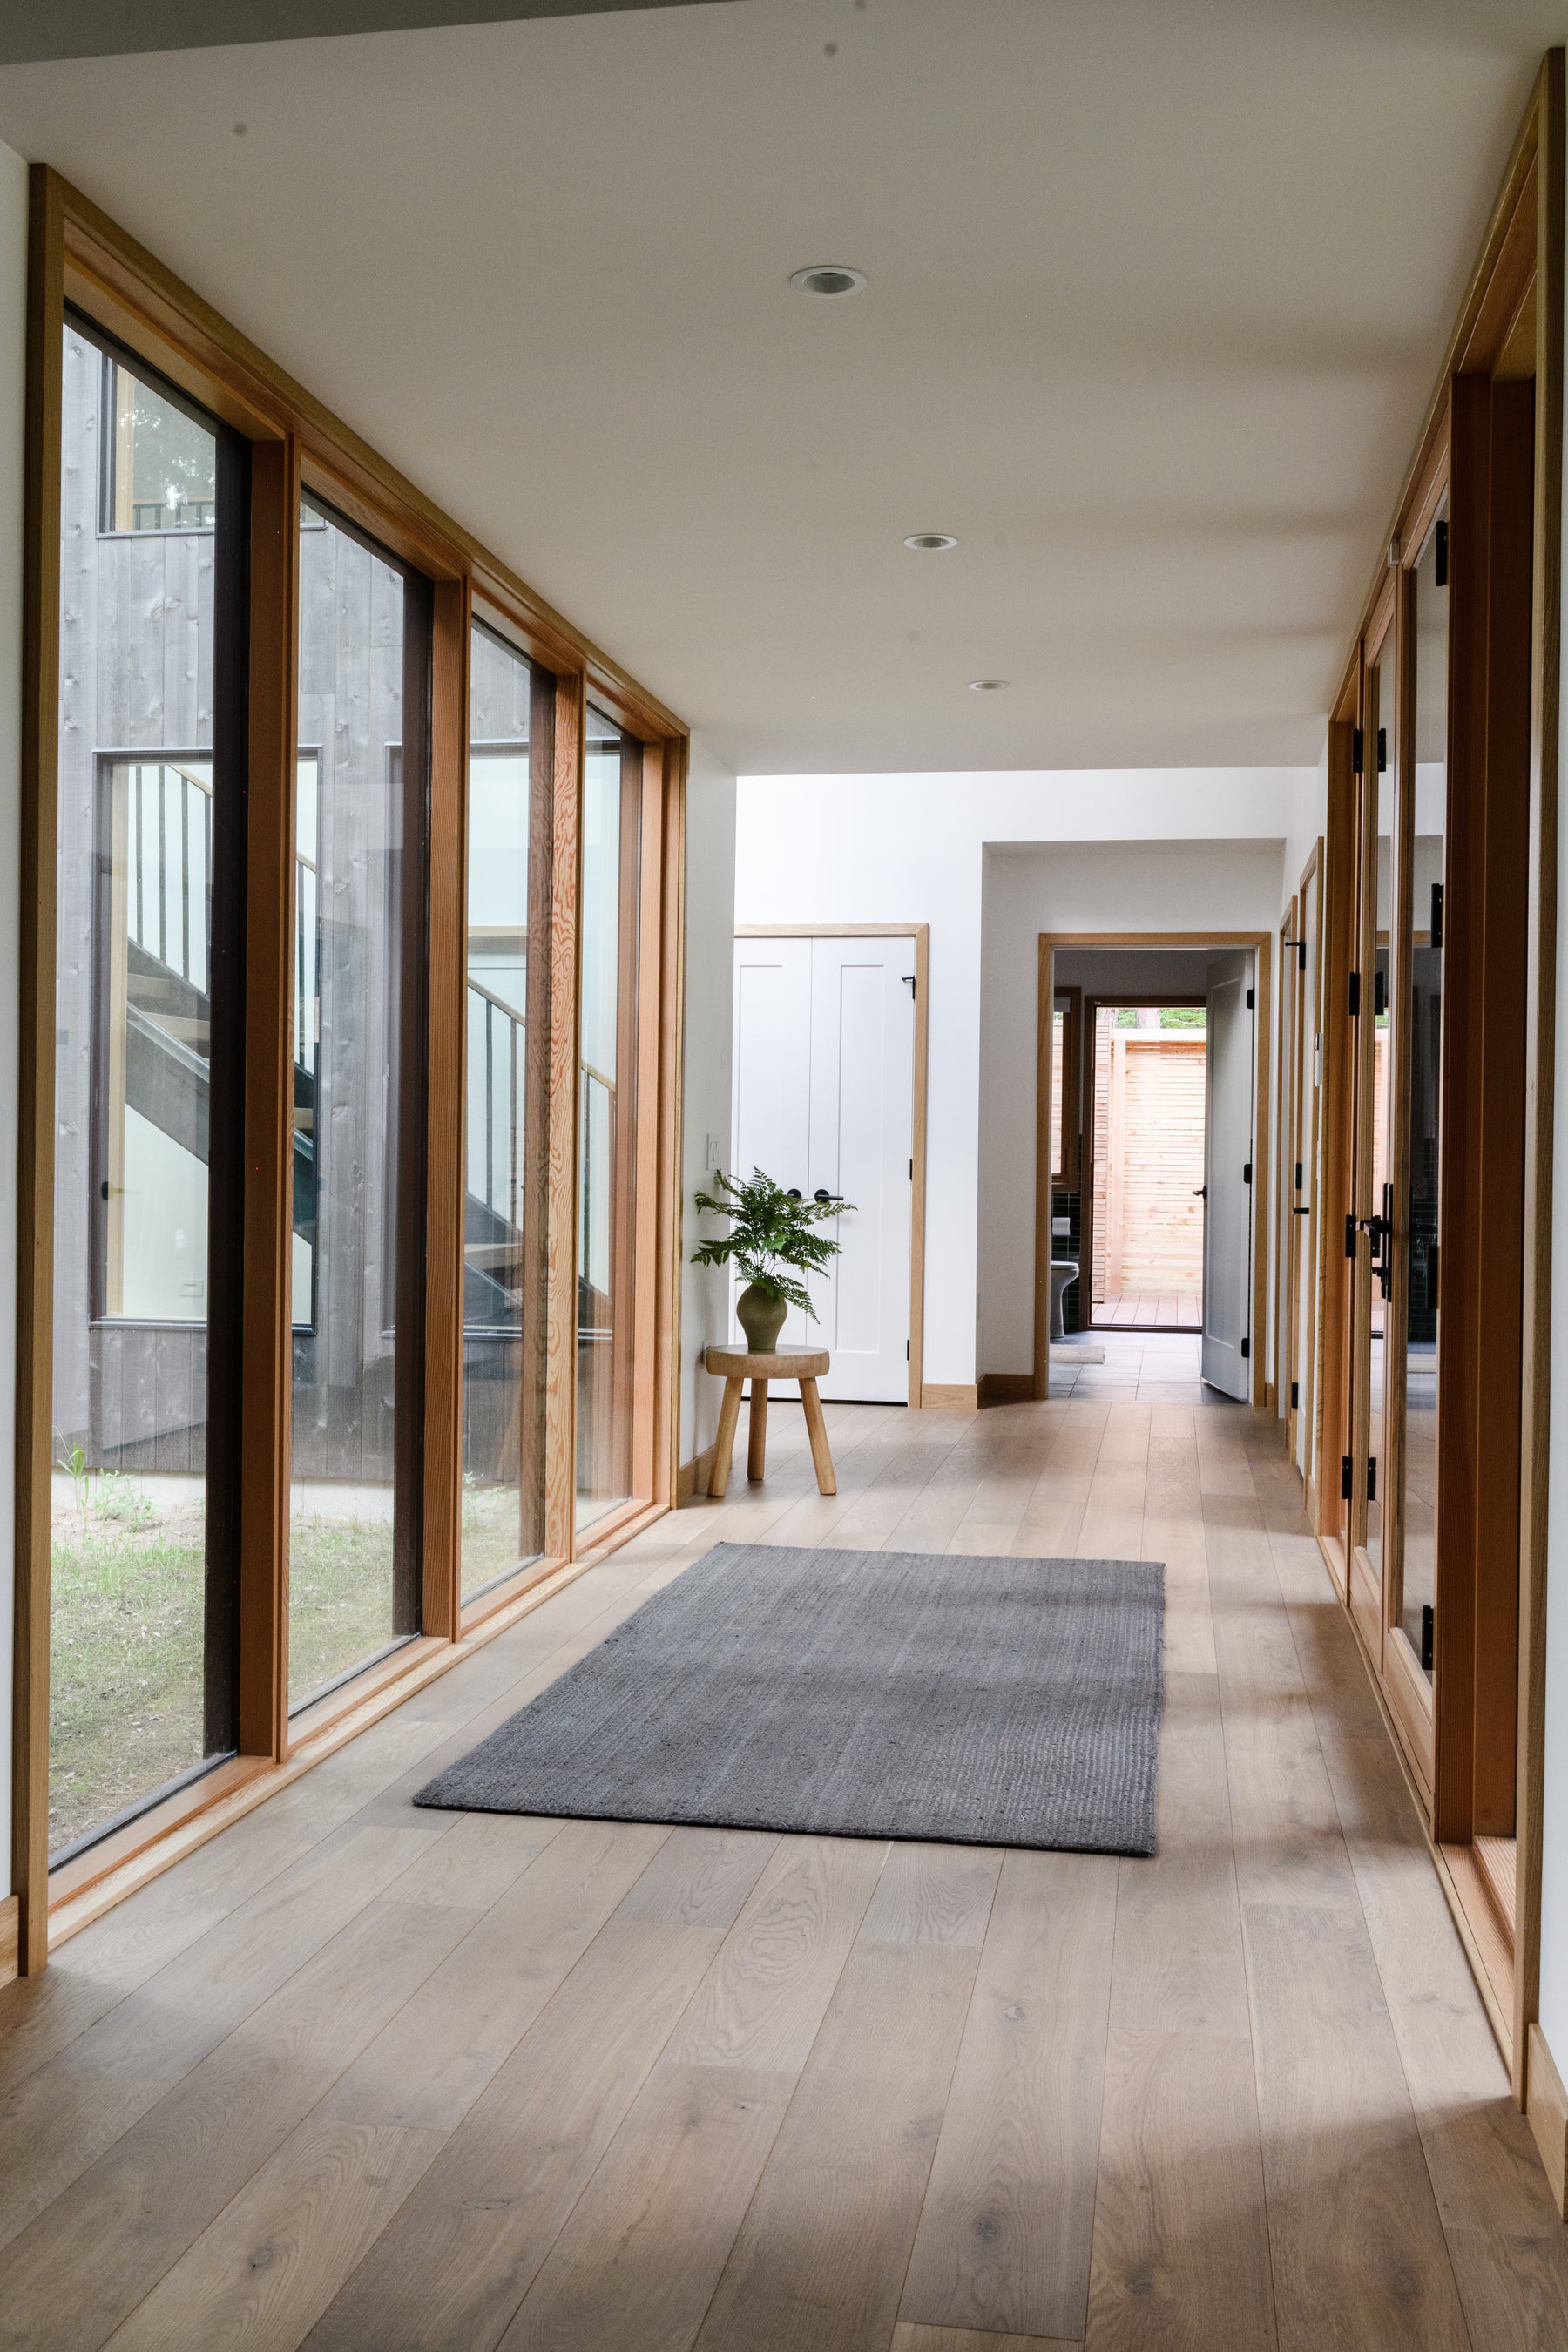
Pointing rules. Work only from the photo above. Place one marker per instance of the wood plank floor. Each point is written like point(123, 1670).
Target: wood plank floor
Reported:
point(377, 2079)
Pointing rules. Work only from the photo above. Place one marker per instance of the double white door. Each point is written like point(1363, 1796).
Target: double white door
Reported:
point(825, 1033)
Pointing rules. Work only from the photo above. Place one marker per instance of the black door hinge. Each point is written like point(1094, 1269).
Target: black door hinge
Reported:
point(1356, 752)
point(1246, 1171)
point(1355, 994)
point(1251, 999)
point(1440, 558)
point(1426, 1619)
point(1295, 1394)
point(1381, 750)
point(1379, 992)
point(906, 1351)
point(1350, 1237)
point(1345, 1468)
point(1371, 1477)
point(1247, 1347)
point(1298, 1175)
point(1435, 934)
point(911, 1172)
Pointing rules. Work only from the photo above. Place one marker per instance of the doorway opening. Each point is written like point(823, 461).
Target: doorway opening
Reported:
point(1152, 1167)
point(1147, 1158)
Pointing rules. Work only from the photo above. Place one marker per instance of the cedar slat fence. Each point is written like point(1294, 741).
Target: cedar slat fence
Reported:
point(1148, 1161)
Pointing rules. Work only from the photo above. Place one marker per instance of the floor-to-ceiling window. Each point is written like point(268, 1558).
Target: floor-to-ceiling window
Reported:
point(353, 1535)
point(141, 1558)
point(337, 1102)
point(506, 1020)
point(606, 1114)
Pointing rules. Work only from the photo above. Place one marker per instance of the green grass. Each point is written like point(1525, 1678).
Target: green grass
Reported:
point(491, 1540)
point(340, 1598)
point(127, 1636)
point(126, 1633)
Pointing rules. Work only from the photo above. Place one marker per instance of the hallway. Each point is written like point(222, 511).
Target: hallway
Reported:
point(373, 2078)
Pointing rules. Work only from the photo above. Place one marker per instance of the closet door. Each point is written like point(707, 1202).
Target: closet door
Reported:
point(824, 1094)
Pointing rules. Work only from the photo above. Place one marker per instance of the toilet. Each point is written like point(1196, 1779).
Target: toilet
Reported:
point(1063, 1271)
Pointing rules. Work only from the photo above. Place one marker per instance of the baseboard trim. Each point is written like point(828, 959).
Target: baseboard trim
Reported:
point(1006, 1388)
point(1546, 2104)
point(950, 1396)
point(10, 1936)
point(692, 1478)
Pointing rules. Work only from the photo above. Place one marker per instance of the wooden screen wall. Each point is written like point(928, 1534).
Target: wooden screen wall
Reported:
point(295, 446)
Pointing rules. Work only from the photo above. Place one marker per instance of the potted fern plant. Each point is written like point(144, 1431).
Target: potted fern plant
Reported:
point(773, 1238)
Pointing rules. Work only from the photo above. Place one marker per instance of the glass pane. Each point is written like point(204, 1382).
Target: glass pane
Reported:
point(141, 1678)
point(606, 1118)
point(1381, 1198)
point(161, 465)
point(351, 1590)
point(1428, 858)
point(502, 1393)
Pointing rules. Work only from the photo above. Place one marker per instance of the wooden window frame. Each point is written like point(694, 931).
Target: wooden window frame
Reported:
point(77, 255)
point(1510, 325)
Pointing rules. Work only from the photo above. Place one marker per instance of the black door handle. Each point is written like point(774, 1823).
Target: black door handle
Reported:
point(1200, 1192)
point(821, 1196)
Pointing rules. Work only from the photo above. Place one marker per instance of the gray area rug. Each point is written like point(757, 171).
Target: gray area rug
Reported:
point(857, 1694)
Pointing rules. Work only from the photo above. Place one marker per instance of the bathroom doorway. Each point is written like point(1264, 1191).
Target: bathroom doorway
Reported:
point(1145, 1221)
point(1151, 1179)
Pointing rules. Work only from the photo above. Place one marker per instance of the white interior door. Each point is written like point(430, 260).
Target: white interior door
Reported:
point(824, 1103)
point(1228, 1174)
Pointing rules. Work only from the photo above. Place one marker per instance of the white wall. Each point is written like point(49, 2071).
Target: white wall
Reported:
point(13, 354)
point(1113, 885)
point(911, 849)
point(705, 1091)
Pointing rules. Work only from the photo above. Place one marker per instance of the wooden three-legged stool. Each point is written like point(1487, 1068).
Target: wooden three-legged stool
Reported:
point(735, 1367)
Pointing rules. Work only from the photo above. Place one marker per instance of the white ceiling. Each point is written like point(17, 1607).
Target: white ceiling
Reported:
point(1158, 290)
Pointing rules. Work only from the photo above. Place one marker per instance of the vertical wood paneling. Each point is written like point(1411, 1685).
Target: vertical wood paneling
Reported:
point(1459, 1492)
point(268, 1101)
point(1499, 1203)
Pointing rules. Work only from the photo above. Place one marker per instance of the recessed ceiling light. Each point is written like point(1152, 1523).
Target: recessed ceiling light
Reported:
point(930, 542)
point(828, 278)
point(987, 685)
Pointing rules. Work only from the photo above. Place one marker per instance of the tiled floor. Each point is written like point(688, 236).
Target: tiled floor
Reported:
point(1140, 1366)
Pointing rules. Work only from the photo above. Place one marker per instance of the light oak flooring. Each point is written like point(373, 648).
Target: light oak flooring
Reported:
point(378, 2079)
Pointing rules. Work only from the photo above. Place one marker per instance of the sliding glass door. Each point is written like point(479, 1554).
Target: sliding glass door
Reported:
point(506, 978)
point(147, 1091)
point(608, 1115)
point(358, 1027)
